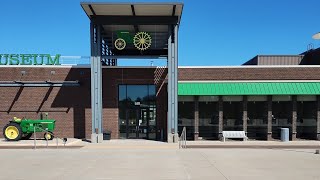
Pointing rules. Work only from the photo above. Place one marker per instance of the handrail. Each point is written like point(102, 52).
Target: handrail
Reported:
point(183, 139)
point(45, 130)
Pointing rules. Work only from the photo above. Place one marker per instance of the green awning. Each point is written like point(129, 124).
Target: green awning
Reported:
point(249, 88)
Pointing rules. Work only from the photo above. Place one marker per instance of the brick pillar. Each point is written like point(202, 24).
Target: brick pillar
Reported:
point(269, 126)
point(245, 113)
point(196, 118)
point(220, 104)
point(294, 118)
point(318, 117)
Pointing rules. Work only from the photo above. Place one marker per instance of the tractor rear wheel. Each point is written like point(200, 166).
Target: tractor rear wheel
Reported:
point(48, 136)
point(12, 132)
point(26, 136)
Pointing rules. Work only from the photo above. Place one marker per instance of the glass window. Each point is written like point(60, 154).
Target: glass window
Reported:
point(281, 117)
point(232, 98)
point(208, 120)
point(306, 98)
point(307, 119)
point(137, 94)
point(137, 111)
point(232, 116)
point(186, 118)
point(122, 92)
point(257, 98)
point(281, 98)
point(208, 98)
point(257, 119)
point(185, 98)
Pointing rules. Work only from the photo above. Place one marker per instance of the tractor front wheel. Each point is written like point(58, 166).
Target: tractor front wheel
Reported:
point(12, 132)
point(48, 136)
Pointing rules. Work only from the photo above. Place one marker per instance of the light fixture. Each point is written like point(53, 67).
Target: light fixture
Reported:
point(23, 73)
point(316, 36)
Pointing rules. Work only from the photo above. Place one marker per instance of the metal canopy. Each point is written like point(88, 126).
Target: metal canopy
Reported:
point(124, 9)
point(153, 18)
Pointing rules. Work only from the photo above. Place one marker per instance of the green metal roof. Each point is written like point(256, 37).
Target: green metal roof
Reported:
point(249, 88)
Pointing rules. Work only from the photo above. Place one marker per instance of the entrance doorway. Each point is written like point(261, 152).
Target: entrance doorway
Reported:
point(138, 123)
point(137, 112)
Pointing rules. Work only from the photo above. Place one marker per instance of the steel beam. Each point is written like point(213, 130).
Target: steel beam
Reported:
point(96, 83)
point(133, 57)
point(134, 20)
point(175, 82)
point(169, 114)
point(173, 85)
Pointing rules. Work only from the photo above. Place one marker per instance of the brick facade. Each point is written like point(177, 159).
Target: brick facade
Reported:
point(71, 106)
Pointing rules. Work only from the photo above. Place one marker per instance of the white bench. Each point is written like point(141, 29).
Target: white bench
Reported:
point(234, 134)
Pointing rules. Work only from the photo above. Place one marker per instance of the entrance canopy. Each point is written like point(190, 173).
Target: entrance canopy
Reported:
point(120, 23)
point(133, 31)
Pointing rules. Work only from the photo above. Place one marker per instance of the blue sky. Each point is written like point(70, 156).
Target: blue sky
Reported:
point(212, 32)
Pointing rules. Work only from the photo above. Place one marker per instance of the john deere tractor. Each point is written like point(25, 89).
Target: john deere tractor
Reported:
point(18, 128)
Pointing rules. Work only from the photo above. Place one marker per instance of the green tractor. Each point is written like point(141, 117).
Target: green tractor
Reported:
point(24, 128)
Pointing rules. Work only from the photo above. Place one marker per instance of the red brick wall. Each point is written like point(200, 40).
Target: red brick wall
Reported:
point(250, 73)
point(71, 106)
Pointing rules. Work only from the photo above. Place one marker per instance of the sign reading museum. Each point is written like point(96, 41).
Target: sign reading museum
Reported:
point(29, 59)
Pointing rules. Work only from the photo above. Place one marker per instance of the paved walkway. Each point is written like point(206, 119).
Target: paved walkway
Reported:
point(159, 164)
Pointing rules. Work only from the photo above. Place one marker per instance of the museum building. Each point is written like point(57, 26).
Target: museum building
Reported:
point(259, 97)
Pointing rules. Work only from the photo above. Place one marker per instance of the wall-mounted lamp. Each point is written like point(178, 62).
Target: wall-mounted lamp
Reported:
point(51, 73)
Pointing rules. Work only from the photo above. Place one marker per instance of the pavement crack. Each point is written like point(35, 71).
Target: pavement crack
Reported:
point(212, 164)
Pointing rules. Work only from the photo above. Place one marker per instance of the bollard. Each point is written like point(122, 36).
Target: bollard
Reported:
point(34, 138)
point(57, 142)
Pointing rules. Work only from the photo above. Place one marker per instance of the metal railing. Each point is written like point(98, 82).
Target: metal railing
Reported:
point(183, 139)
point(47, 144)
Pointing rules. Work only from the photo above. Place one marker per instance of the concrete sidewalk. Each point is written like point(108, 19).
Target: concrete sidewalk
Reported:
point(40, 143)
point(159, 164)
point(254, 144)
point(150, 144)
point(131, 144)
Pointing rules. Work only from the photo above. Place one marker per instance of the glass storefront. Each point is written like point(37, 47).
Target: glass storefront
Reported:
point(208, 120)
point(257, 120)
point(306, 117)
point(281, 115)
point(232, 113)
point(257, 116)
point(186, 118)
point(137, 111)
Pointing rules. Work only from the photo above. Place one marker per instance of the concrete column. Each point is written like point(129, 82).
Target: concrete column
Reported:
point(294, 118)
point(318, 117)
point(220, 104)
point(196, 118)
point(245, 113)
point(269, 126)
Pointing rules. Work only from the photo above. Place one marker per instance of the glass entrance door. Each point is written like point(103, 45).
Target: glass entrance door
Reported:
point(137, 111)
point(138, 123)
